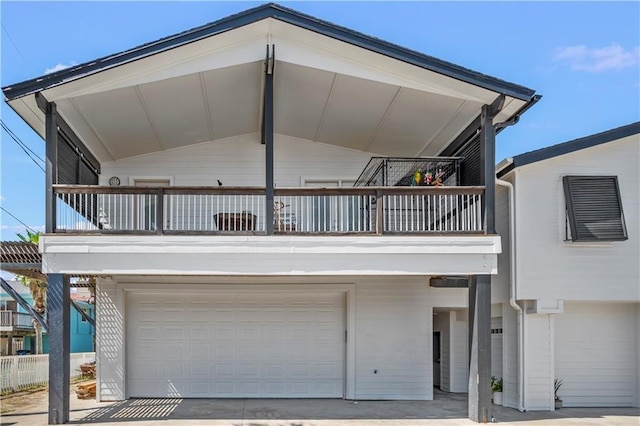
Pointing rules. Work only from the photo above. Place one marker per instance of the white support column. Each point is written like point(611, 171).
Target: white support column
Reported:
point(539, 368)
point(110, 344)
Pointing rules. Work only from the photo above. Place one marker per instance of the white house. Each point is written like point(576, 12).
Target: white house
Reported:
point(569, 220)
point(243, 194)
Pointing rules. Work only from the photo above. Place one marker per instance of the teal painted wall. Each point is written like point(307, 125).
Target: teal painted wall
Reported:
point(81, 332)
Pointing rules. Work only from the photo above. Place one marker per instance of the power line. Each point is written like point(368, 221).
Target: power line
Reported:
point(14, 44)
point(13, 135)
point(22, 145)
point(26, 226)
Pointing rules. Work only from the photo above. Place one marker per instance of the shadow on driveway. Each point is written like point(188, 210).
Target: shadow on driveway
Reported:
point(250, 410)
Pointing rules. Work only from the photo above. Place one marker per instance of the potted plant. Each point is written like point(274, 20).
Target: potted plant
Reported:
point(496, 389)
point(556, 387)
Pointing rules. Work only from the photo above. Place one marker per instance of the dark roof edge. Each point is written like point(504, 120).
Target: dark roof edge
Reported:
point(403, 54)
point(283, 14)
point(571, 146)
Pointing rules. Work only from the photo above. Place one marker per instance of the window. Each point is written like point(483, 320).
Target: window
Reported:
point(594, 208)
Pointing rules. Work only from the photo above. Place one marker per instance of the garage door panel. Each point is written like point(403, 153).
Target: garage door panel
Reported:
point(199, 334)
point(175, 370)
point(235, 345)
point(274, 371)
point(146, 369)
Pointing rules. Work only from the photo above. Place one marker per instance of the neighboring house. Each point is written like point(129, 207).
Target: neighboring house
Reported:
point(220, 186)
point(17, 331)
point(576, 275)
point(16, 326)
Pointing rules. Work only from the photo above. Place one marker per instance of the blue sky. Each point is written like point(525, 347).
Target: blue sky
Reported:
point(583, 57)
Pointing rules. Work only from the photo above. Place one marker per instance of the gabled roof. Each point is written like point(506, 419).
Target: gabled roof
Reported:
point(259, 13)
point(505, 166)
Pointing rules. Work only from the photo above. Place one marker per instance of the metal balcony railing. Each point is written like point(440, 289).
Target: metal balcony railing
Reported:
point(242, 210)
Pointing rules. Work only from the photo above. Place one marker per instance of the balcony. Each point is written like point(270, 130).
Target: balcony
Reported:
point(242, 210)
point(15, 321)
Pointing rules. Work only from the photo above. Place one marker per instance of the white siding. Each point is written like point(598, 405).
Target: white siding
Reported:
point(637, 403)
point(454, 362)
point(553, 269)
point(240, 161)
point(510, 356)
point(441, 323)
point(596, 354)
point(459, 352)
point(393, 337)
point(539, 373)
point(500, 284)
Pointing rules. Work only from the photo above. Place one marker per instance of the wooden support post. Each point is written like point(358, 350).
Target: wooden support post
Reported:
point(480, 349)
point(51, 170)
point(58, 307)
point(160, 211)
point(488, 168)
point(268, 137)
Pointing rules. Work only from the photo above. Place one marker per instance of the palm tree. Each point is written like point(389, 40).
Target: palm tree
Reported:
point(38, 289)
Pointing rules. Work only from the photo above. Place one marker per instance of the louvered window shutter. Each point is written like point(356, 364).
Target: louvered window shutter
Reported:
point(594, 208)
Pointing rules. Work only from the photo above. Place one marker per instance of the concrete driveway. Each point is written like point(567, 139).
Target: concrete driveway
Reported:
point(446, 409)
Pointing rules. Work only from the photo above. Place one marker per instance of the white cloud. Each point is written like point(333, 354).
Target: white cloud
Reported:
point(59, 67)
point(599, 59)
point(20, 228)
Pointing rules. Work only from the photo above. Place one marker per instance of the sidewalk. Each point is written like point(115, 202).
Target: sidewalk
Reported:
point(446, 409)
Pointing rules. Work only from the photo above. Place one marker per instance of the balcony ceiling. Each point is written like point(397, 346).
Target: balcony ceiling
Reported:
point(311, 104)
point(325, 90)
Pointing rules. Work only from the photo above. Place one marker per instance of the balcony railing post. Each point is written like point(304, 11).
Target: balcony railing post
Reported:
point(379, 213)
point(160, 211)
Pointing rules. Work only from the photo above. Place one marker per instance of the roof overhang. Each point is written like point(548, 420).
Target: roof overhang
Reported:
point(24, 258)
point(21, 258)
point(332, 85)
point(509, 164)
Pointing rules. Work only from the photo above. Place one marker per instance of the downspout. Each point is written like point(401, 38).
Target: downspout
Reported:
point(512, 292)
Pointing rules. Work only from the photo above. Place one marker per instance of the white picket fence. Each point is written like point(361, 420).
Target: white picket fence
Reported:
point(22, 372)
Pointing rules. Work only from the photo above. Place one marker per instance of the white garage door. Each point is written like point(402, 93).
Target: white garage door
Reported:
point(235, 345)
point(595, 354)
